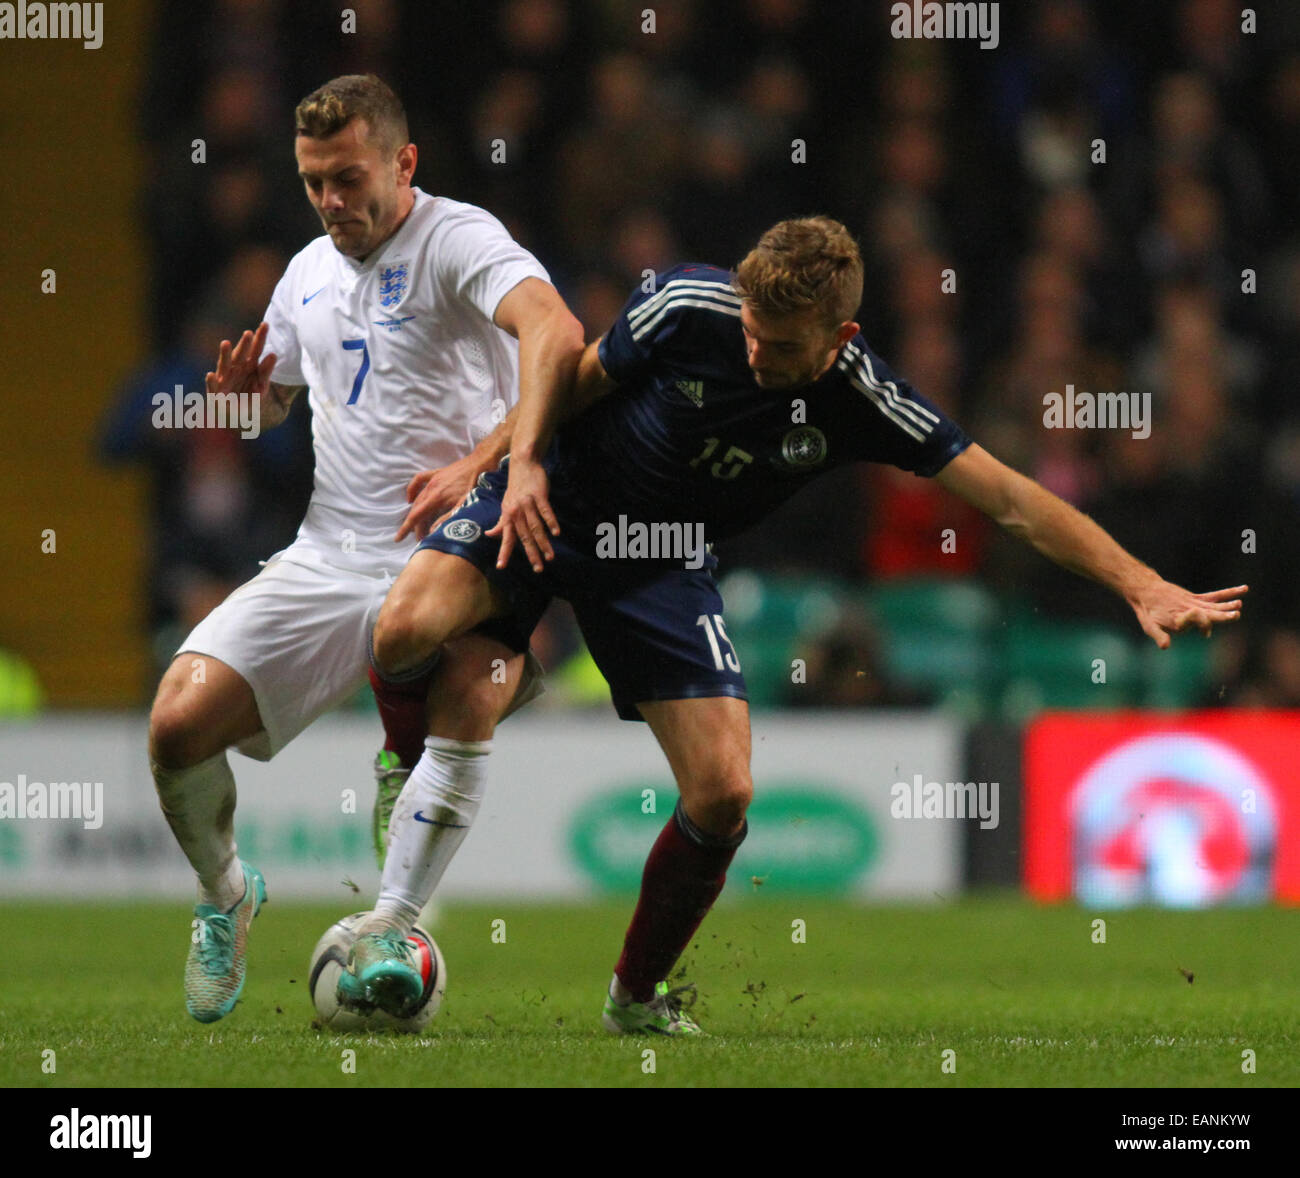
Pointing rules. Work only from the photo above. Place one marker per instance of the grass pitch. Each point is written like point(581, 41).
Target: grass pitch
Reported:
point(1020, 995)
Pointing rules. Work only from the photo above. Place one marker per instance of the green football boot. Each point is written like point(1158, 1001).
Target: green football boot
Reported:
point(390, 777)
point(664, 1014)
point(214, 970)
point(381, 973)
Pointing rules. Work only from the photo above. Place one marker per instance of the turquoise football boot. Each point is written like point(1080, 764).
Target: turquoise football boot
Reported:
point(381, 973)
point(214, 970)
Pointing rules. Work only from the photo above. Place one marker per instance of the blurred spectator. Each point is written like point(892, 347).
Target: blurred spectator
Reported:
point(1186, 239)
point(1058, 91)
point(1210, 41)
point(709, 202)
point(641, 239)
point(618, 156)
point(1070, 227)
point(1190, 334)
point(596, 301)
point(201, 213)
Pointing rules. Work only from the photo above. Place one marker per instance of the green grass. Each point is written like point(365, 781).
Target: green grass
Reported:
point(875, 996)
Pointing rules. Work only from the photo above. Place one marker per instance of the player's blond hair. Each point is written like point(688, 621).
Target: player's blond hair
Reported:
point(802, 263)
point(329, 109)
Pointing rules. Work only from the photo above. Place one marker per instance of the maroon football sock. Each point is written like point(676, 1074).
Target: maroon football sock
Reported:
point(401, 700)
point(683, 876)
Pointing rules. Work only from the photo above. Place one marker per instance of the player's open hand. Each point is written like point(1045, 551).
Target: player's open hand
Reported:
point(435, 494)
point(243, 370)
point(1164, 608)
point(526, 515)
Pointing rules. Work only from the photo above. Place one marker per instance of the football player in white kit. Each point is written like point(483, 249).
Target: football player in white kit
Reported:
point(401, 322)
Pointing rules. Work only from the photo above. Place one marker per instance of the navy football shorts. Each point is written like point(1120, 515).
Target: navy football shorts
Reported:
point(654, 628)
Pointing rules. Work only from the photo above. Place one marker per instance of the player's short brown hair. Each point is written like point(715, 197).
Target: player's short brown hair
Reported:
point(333, 106)
point(801, 263)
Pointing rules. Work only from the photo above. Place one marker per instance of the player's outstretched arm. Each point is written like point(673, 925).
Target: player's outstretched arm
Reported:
point(244, 371)
point(550, 344)
point(1068, 537)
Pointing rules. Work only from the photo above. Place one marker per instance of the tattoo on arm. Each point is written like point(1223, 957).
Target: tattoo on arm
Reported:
point(277, 403)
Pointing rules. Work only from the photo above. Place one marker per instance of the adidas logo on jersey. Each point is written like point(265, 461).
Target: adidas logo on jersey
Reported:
point(694, 389)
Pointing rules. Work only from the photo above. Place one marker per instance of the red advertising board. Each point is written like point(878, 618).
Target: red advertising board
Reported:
point(1189, 810)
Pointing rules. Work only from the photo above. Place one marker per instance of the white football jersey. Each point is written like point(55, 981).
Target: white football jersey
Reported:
point(405, 369)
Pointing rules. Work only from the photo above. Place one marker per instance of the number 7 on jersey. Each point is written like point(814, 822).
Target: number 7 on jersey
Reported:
point(353, 345)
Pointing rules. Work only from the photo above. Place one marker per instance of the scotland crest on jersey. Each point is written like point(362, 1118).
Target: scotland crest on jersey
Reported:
point(464, 530)
point(392, 283)
point(804, 446)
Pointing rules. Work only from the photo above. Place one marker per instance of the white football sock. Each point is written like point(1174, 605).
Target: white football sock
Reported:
point(431, 818)
point(199, 805)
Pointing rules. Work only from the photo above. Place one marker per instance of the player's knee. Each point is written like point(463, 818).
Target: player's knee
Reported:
point(175, 738)
point(404, 637)
point(720, 808)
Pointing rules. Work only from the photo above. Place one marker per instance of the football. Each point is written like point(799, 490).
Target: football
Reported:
point(330, 958)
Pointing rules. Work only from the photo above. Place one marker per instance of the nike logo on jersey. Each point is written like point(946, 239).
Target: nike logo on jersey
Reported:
point(434, 822)
point(308, 298)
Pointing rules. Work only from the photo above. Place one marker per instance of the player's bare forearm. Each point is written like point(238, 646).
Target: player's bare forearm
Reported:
point(1060, 532)
point(277, 402)
point(550, 345)
point(548, 363)
point(488, 453)
point(1071, 539)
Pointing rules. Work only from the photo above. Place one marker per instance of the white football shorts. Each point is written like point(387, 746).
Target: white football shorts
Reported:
point(298, 635)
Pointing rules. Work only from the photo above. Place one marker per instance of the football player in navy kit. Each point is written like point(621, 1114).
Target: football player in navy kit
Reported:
point(711, 400)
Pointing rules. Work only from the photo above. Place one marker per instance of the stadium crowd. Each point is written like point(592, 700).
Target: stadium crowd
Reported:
point(1005, 258)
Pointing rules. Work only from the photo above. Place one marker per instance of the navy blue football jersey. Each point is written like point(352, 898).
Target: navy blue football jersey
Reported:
point(689, 435)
